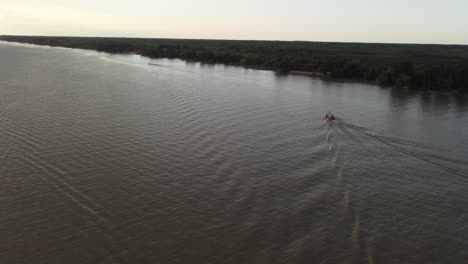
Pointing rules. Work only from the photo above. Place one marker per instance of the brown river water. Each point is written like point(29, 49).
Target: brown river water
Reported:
point(106, 159)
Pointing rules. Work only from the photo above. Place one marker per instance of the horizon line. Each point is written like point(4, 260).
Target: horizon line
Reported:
point(253, 40)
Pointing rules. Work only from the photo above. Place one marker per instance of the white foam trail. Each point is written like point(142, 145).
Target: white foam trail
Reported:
point(340, 174)
point(335, 158)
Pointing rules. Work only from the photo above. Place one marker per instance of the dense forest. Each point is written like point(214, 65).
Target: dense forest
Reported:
point(433, 67)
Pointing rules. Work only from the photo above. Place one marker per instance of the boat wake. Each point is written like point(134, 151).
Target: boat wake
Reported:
point(365, 138)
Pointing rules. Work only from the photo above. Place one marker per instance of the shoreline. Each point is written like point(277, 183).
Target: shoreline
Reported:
point(196, 51)
point(314, 74)
point(310, 73)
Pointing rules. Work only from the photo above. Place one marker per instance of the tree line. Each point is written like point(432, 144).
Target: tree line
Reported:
point(434, 67)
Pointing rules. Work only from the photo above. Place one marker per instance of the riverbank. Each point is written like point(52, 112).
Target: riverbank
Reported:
point(432, 67)
point(311, 73)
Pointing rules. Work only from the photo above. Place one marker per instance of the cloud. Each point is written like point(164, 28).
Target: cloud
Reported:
point(45, 19)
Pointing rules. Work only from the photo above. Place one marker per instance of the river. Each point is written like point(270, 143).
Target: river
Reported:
point(107, 159)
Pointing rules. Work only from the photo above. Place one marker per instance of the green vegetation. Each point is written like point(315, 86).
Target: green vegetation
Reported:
point(434, 67)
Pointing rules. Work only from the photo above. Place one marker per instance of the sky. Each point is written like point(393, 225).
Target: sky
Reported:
point(395, 21)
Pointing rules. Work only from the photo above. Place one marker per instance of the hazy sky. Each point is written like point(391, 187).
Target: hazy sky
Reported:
point(429, 21)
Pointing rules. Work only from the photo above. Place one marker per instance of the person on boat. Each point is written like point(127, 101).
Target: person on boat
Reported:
point(330, 117)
